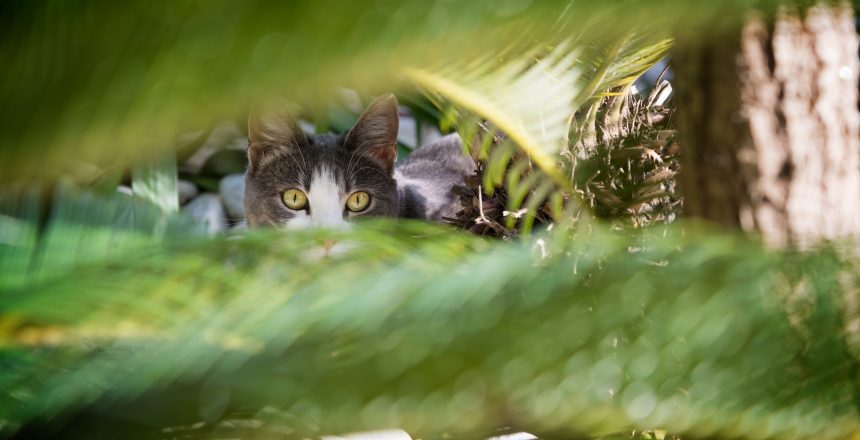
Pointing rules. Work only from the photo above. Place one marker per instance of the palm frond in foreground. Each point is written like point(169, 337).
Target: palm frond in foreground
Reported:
point(435, 333)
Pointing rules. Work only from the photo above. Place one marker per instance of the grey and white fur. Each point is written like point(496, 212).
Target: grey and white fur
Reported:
point(329, 168)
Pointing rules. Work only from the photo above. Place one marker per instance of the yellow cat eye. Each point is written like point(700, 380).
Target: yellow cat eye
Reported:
point(358, 201)
point(295, 199)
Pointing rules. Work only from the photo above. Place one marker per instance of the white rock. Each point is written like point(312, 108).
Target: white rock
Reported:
point(207, 210)
point(515, 436)
point(429, 133)
point(225, 135)
point(407, 133)
point(308, 127)
point(391, 434)
point(232, 190)
point(186, 190)
point(125, 190)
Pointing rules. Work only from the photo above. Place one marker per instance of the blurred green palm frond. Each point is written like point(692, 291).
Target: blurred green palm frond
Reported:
point(100, 80)
point(529, 98)
point(96, 79)
point(434, 332)
point(121, 318)
point(514, 110)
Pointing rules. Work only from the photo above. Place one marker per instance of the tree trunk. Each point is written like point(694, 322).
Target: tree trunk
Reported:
point(769, 122)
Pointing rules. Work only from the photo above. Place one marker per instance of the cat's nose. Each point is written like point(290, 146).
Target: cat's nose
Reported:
point(328, 249)
point(335, 248)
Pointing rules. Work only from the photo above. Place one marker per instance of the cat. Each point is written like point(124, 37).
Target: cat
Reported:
point(295, 180)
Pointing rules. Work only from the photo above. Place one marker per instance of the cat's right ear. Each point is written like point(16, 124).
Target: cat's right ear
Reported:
point(270, 131)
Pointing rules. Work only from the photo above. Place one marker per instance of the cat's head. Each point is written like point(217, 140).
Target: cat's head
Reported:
point(296, 180)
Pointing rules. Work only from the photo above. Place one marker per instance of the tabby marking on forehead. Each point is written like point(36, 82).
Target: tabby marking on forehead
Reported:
point(326, 201)
point(292, 154)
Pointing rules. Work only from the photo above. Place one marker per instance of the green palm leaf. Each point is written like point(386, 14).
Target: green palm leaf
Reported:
point(120, 319)
point(529, 98)
point(435, 333)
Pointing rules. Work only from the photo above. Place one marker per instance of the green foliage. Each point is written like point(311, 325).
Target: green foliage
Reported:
point(99, 79)
point(531, 119)
point(434, 332)
point(538, 125)
point(119, 318)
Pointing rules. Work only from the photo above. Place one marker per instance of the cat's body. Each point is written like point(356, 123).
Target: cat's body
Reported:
point(298, 180)
point(425, 178)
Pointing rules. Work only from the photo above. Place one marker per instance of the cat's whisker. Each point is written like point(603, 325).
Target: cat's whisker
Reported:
point(292, 156)
point(304, 162)
point(350, 164)
point(351, 176)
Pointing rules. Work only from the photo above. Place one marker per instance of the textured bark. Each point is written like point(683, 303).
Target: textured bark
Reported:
point(770, 125)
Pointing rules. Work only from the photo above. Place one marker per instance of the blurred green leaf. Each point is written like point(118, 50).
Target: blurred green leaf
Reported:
point(529, 99)
point(435, 332)
point(154, 181)
point(119, 318)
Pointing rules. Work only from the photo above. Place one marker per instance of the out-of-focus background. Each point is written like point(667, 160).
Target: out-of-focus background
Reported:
point(660, 240)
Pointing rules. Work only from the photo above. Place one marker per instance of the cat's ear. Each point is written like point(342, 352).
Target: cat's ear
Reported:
point(270, 130)
point(375, 133)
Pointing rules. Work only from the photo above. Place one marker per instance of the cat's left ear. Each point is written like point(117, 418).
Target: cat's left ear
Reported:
point(271, 129)
point(375, 133)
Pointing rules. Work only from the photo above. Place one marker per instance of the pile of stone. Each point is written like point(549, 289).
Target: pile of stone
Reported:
point(211, 177)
